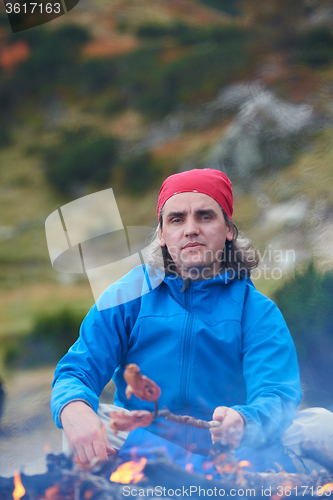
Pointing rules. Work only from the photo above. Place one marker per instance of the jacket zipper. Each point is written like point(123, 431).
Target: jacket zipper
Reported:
point(186, 355)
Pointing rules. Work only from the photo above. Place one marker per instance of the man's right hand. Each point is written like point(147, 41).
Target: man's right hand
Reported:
point(85, 432)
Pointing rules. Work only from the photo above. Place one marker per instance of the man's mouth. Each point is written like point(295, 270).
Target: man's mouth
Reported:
point(193, 245)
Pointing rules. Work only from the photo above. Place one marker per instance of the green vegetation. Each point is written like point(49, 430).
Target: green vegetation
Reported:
point(139, 79)
point(50, 338)
point(82, 157)
point(140, 174)
point(228, 6)
point(306, 303)
point(196, 75)
point(315, 46)
point(53, 61)
point(185, 34)
point(213, 54)
point(96, 75)
point(4, 130)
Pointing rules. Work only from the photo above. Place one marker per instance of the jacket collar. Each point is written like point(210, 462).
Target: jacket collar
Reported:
point(222, 277)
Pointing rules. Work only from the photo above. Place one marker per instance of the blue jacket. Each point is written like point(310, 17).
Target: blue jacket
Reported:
point(219, 343)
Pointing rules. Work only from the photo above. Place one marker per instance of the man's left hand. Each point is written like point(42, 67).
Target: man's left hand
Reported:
point(231, 429)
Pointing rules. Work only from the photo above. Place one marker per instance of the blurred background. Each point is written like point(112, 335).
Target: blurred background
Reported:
point(122, 93)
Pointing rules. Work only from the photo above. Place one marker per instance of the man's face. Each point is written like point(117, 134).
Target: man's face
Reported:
point(194, 231)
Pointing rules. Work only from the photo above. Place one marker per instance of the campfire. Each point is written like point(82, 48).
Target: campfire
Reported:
point(112, 480)
point(116, 479)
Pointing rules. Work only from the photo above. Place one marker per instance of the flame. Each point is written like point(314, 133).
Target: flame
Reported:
point(129, 472)
point(19, 489)
point(326, 487)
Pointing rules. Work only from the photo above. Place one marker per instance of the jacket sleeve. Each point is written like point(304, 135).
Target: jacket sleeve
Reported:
point(270, 370)
point(90, 363)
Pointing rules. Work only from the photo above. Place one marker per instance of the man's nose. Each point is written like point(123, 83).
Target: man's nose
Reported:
point(191, 227)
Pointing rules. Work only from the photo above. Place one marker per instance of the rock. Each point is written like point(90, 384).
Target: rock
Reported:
point(264, 135)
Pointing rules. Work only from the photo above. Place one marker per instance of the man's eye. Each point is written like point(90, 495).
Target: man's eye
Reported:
point(176, 220)
point(206, 217)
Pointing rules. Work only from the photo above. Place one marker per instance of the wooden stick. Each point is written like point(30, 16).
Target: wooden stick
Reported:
point(187, 420)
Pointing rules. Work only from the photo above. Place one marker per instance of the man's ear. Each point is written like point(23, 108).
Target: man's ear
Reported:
point(160, 238)
point(230, 233)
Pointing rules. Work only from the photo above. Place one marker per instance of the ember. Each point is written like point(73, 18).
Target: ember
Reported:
point(129, 472)
point(244, 463)
point(19, 489)
point(51, 493)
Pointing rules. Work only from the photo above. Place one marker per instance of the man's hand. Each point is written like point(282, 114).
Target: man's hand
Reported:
point(85, 432)
point(231, 429)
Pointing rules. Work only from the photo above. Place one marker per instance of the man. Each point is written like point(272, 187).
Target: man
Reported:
point(216, 346)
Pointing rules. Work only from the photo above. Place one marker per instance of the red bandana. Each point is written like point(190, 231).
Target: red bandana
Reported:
point(206, 181)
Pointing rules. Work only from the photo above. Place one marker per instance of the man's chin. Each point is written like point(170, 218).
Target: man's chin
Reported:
point(196, 270)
